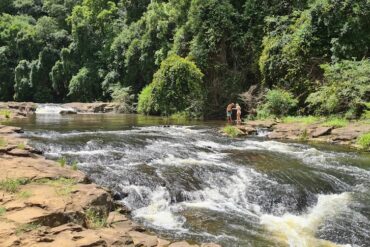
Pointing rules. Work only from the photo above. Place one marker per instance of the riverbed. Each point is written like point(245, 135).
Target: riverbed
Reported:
point(184, 180)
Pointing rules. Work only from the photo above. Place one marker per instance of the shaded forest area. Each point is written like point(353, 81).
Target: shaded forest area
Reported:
point(189, 57)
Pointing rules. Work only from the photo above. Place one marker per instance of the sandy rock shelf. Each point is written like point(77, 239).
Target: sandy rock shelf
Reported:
point(308, 132)
point(43, 204)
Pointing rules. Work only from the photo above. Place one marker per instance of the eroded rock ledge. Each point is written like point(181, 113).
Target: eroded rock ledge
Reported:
point(308, 132)
point(44, 204)
point(24, 109)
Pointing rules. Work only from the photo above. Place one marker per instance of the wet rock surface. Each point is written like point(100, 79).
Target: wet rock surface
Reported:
point(97, 107)
point(44, 204)
point(347, 135)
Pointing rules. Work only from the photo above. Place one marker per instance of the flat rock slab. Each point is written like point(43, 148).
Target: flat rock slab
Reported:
point(320, 131)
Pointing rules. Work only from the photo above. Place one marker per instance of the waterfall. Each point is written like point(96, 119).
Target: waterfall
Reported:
point(54, 109)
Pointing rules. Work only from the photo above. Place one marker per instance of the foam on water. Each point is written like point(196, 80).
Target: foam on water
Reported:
point(52, 109)
point(166, 171)
point(300, 230)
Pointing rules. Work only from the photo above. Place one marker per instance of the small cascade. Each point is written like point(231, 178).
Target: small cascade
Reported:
point(54, 109)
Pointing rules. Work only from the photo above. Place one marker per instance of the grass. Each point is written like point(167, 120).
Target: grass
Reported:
point(24, 194)
point(74, 166)
point(5, 113)
point(62, 161)
point(3, 142)
point(95, 219)
point(301, 119)
point(12, 185)
point(2, 211)
point(304, 135)
point(231, 131)
point(336, 122)
point(63, 186)
point(21, 146)
point(26, 228)
point(364, 141)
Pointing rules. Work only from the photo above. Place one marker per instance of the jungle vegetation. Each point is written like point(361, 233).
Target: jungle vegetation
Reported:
point(191, 57)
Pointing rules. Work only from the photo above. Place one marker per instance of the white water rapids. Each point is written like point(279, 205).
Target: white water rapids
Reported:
point(191, 183)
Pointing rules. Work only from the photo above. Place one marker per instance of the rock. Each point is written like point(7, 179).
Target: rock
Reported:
point(144, 240)
point(19, 152)
point(182, 244)
point(210, 245)
point(115, 217)
point(248, 130)
point(320, 131)
point(96, 107)
point(67, 112)
point(287, 131)
point(261, 123)
point(10, 130)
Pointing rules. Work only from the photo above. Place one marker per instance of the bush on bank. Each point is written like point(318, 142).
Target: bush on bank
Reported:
point(176, 87)
point(277, 103)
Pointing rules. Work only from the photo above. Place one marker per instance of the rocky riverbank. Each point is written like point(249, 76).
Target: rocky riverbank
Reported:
point(24, 109)
point(44, 203)
point(317, 132)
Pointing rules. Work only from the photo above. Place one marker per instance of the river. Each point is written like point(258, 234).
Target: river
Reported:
point(183, 180)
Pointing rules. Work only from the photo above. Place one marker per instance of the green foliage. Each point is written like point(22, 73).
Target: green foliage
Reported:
point(231, 131)
point(74, 166)
point(5, 113)
point(95, 219)
point(12, 185)
point(21, 146)
point(177, 86)
point(336, 122)
point(123, 96)
point(3, 142)
point(62, 186)
point(301, 119)
point(346, 87)
point(82, 87)
point(278, 103)
point(62, 161)
point(87, 50)
point(24, 194)
point(23, 228)
point(2, 211)
point(304, 135)
point(364, 141)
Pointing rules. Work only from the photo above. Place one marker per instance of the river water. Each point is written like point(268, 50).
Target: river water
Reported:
point(183, 180)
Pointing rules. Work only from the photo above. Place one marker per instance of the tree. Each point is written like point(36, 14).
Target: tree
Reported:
point(177, 87)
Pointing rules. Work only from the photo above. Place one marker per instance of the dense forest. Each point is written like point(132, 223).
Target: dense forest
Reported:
point(189, 57)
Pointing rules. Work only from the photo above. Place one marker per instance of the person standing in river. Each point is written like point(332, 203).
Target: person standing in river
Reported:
point(229, 112)
point(238, 113)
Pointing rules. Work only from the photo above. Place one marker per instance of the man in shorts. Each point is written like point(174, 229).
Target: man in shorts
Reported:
point(229, 112)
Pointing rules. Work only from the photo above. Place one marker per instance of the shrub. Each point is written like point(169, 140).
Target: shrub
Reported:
point(146, 103)
point(336, 122)
point(95, 218)
point(123, 96)
point(364, 141)
point(346, 87)
point(278, 102)
point(232, 131)
point(176, 87)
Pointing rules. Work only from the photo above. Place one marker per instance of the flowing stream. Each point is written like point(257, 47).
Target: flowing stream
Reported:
point(186, 181)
